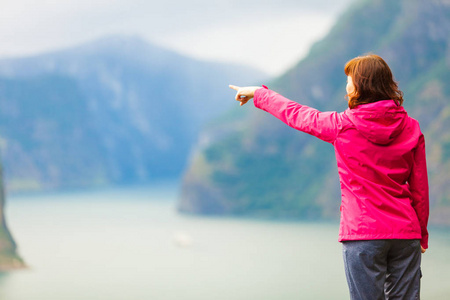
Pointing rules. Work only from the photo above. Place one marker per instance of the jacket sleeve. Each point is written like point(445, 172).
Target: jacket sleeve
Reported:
point(323, 125)
point(418, 182)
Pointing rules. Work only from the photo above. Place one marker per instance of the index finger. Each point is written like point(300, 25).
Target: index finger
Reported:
point(234, 87)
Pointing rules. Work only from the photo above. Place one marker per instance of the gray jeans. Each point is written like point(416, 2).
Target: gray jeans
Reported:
point(383, 269)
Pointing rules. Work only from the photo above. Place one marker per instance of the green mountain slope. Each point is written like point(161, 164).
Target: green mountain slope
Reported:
point(256, 165)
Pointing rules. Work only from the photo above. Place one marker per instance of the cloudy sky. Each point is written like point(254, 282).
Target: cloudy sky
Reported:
point(268, 34)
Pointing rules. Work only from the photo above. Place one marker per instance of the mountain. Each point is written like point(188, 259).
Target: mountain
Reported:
point(113, 111)
point(252, 164)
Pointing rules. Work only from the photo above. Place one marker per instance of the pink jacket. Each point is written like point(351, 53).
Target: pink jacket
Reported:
point(380, 154)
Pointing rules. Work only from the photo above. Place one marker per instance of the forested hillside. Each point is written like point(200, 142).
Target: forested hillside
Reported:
point(249, 163)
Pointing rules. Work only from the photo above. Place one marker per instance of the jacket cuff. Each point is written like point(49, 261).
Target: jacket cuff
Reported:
point(258, 96)
point(424, 242)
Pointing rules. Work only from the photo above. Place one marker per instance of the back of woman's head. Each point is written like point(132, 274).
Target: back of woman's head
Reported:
point(372, 80)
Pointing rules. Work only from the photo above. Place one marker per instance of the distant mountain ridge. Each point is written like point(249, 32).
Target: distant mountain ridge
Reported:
point(257, 166)
point(116, 110)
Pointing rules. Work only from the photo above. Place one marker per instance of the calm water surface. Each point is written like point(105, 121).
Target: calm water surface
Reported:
point(131, 244)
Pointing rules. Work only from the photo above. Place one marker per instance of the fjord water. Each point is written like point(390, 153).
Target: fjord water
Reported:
point(130, 243)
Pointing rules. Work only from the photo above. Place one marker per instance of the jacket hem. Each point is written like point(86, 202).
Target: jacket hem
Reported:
point(356, 237)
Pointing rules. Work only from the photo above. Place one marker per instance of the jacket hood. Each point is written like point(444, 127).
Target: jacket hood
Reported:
point(380, 122)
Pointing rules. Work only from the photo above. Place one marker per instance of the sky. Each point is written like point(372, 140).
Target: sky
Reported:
point(270, 35)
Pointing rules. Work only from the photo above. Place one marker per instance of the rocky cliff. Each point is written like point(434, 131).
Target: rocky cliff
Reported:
point(9, 258)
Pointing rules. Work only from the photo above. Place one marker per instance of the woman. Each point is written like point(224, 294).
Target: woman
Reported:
point(380, 153)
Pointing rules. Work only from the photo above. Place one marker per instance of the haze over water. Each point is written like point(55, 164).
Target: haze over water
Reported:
point(130, 243)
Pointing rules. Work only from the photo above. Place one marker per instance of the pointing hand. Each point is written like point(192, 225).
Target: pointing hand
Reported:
point(244, 94)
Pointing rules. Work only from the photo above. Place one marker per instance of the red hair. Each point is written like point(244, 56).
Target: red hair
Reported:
point(373, 81)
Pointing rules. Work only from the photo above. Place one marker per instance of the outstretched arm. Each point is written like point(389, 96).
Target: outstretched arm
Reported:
point(323, 125)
